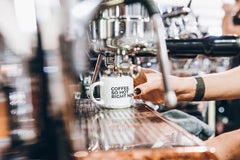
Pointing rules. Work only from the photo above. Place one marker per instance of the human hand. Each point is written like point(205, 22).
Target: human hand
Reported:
point(142, 76)
point(149, 86)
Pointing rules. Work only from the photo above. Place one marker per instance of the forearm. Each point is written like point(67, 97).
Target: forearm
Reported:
point(218, 86)
point(227, 145)
point(225, 85)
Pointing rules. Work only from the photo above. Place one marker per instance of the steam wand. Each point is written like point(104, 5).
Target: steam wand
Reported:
point(162, 56)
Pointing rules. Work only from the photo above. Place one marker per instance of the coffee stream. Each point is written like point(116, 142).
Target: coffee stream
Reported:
point(120, 92)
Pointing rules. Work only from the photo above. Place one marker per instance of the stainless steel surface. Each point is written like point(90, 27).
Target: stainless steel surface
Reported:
point(122, 26)
point(135, 127)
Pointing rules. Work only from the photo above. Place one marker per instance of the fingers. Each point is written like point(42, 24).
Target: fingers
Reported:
point(147, 93)
point(151, 89)
point(145, 83)
point(142, 77)
point(142, 90)
point(150, 81)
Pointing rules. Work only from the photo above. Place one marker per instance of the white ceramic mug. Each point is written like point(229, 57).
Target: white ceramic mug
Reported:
point(115, 92)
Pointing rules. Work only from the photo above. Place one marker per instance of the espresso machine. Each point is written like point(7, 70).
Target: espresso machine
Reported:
point(122, 31)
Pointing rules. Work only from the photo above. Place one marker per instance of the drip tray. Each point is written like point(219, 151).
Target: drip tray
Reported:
point(120, 129)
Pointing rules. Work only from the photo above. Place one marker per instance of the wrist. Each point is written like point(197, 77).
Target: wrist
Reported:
point(185, 88)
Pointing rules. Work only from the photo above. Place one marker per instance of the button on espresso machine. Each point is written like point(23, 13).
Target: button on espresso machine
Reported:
point(121, 31)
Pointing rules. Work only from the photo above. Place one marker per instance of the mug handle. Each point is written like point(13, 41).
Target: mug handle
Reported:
point(91, 90)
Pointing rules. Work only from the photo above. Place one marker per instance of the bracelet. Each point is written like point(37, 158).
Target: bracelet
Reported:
point(200, 89)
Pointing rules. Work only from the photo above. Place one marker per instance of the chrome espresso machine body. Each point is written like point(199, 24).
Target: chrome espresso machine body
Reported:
point(123, 28)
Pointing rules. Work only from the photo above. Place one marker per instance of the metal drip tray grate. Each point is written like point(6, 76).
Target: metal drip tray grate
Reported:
point(135, 127)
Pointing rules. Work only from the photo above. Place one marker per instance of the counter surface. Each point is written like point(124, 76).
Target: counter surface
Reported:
point(131, 132)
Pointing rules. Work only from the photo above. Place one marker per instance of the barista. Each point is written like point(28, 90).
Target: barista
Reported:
point(215, 86)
